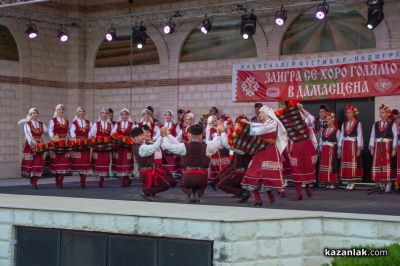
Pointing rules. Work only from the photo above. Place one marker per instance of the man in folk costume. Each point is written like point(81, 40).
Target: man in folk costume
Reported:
point(383, 146)
point(328, 163)
point(303, 144)
point(148, 156)
point(230, 178)
point(148, 120)
point(60, 163)
point(181, 118)
point(101, 151)
point(32, 162)
point(264, 172)
point(80, 158)
point(257, 107)
point(221, 158)
point(169, 159)
point(350, 146)
point(122, 161)
point(195, 159)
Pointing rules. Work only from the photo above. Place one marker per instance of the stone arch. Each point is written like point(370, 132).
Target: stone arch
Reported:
point(259, 39)
point(97, 37)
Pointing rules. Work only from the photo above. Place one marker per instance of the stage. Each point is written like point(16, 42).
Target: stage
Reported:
point(338, 200)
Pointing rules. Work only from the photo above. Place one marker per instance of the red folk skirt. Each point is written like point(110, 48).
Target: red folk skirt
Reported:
point(328, 164)
point(398, 165)
point(381, 162)
point(217, 163)
point(101, 163)
point(122, 163)
point(80, 162)
point(287, 168)
point(303, 160)
point(60, 163)
point(264, 171)
point(351, 166)
point(32, 164)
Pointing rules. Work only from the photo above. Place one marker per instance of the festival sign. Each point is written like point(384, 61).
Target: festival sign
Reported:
point(349, 76)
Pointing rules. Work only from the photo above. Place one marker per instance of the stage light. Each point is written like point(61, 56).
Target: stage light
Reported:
point(31, 31)
point(248, 25)
point(375, 13)
point(62, 34)
point(169, 28)
point(139, 36)
point(281, 16)
point(111, 34)
point(322, 11)
point(206, 27)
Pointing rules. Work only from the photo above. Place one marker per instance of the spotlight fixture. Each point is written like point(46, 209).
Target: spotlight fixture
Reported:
point(62, 34)
point(375, 13)
point(31, 31)
point(206, 27)
point(111, 33)
point(322, 11)
point(169, 28)
point(281, 16)
point(248, 25)
point(139, 36)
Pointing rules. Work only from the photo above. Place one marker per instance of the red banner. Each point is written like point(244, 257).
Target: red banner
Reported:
point(350, 76)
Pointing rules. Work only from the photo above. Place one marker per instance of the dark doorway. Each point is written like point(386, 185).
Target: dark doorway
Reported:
point(366, 107)
point(58, 247)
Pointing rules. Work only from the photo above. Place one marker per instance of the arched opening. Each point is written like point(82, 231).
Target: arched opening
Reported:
point(8, 46)
point(343, 29)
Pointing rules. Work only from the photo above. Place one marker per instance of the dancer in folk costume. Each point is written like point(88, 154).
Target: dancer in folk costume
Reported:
point(188, 121)
point(181, 118)
point(148, 120)
point(80, 158)
point(32, 162)
point(195, 158)
point(154, 177)
point(101, 152)
point(328, 162)
point(60, 163)
point(302, 148)
point(170, 160)
point(220, 159)
point(230, 178)
point(383, 146)
point(396, 115)
point(122, 161)
point(264, 172)
point(350, 148)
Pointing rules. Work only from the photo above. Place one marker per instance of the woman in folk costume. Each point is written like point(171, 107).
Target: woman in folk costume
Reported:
point(264, 172)
point(350, 148)
point(60, 163)
point(148, 120)
point(303, 144)
point(32, 163)
point(188, 121)
point(122, 162)
point(328, 163)
point(80, 159)
point(169, 159)
point(396, 115)
point(383, 147)
point(101, 156)
point(220, 159)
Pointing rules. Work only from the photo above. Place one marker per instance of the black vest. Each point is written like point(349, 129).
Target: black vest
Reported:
point(386, 133)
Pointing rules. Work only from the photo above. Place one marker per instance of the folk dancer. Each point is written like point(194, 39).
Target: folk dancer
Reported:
point(170, 161)
point(60, 163)
point(32, 162)
point(80, 158)
point(383, 147)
